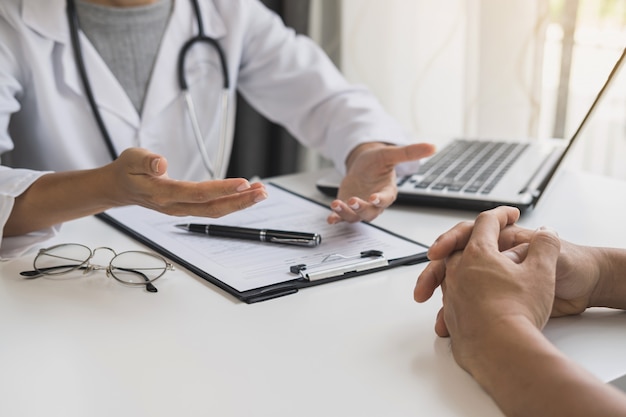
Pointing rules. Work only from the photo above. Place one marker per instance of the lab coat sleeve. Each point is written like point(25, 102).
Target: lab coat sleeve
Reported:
point(14, 182)
point(291, 81)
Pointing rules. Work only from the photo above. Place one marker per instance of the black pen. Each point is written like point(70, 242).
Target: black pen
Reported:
point(263, 235)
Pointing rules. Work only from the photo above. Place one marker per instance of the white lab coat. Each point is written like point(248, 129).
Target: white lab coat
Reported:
point(46, 123)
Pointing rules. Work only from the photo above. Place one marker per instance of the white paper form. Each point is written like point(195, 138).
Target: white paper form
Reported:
point(245, 265)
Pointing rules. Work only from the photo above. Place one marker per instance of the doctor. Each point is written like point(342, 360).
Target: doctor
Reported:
point(57, 164)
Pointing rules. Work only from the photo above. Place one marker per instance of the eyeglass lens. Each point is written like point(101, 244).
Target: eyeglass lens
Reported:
point(133, 267)
point(137, 267)
point(61, 259)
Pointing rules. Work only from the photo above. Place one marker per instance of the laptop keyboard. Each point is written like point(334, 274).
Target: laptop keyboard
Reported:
point(468, 166)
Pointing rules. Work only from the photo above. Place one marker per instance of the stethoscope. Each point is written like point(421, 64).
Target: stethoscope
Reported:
point(201, 37)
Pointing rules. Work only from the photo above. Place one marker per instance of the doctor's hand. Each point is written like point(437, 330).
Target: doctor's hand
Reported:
point(139, 177)
point(370, 182)
point(577, 273)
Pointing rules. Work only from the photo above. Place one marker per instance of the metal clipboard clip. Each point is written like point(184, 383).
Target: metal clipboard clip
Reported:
point(336, 265)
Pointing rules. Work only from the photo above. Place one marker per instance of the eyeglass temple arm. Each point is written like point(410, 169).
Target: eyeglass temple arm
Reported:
point(149, 286)
point(38, 273)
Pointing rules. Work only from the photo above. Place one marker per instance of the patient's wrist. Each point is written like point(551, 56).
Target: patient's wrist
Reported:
point(475, 351)
point(508, 346)
point(610, 288)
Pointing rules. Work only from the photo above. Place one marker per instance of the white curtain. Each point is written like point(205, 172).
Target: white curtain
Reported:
point(482, 68)
point(450, 68)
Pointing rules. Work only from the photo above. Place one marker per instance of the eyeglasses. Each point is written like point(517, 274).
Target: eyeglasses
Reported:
point(134, 268)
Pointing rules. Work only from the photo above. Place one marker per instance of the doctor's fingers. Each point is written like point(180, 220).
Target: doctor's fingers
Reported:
point(204, 206)
point(355, 210)
point(393, 155)
point(202, 192)
point(140, 161)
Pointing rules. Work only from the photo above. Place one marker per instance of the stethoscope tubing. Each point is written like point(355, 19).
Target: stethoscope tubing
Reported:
point(80, 63)
point(182, 81)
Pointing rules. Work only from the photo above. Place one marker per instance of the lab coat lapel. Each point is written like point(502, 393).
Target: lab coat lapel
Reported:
point(49, 19)
point(164, 88)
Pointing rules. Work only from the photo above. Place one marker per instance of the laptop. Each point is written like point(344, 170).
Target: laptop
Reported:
point(476, 174)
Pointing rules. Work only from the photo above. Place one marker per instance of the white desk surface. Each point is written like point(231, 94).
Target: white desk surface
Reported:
point(359, 347)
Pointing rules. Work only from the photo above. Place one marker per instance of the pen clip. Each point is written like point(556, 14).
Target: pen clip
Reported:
point(335, 265)
point(297, 242)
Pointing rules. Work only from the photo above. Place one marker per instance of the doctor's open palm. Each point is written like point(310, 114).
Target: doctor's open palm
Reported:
point(140, 178)
point(137, 177)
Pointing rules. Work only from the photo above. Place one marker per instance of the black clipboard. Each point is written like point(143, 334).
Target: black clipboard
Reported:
point(332, 267)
